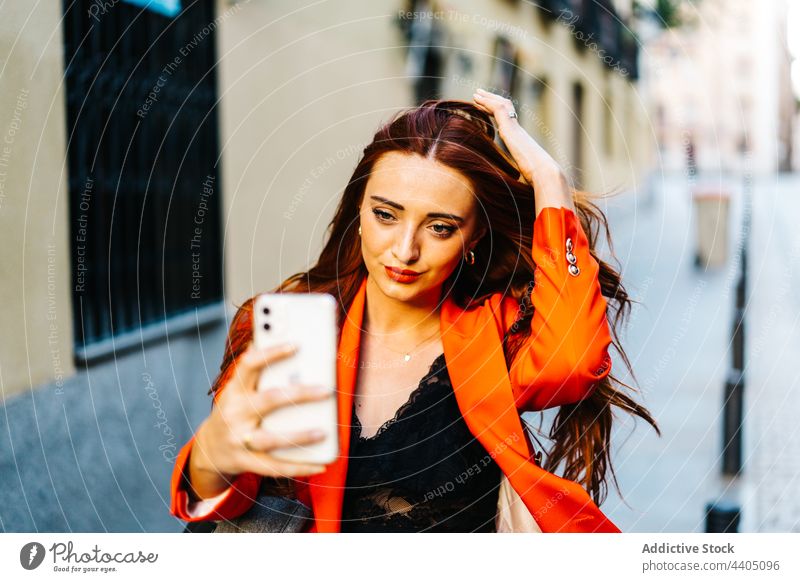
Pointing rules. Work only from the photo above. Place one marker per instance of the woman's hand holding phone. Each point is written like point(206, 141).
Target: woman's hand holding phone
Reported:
point(230, 441)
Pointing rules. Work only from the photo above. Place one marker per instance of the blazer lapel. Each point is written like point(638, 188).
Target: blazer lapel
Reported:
point(327, 489)
point(479, 375)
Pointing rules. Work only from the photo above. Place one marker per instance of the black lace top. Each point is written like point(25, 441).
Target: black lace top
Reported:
point(423, 470)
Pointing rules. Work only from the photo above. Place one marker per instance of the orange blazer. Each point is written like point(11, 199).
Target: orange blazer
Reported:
point(560, 363)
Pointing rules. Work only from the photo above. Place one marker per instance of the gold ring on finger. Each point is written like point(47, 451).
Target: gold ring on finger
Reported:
point(247, 441)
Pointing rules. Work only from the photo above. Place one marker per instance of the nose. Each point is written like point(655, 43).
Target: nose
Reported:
point(405, 248)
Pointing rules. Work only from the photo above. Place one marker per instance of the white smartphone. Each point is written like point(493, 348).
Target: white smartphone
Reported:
point(309, 322)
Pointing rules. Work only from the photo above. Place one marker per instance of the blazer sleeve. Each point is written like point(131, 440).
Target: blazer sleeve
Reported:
point(231, 503)
point(566, 354)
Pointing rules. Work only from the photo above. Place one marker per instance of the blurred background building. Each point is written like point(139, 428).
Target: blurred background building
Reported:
point(721, 91)
point(164, 160)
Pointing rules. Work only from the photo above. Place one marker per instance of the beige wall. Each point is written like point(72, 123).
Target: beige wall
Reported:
point(35, 309)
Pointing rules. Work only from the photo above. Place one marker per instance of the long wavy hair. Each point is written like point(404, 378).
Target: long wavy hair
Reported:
point(461, 136)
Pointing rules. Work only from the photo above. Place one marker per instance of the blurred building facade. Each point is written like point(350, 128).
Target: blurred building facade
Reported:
point(571, 67)
point(720, 89)
point(163, 168)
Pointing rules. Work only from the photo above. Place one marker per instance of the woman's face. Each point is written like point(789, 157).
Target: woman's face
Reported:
point(420, 216)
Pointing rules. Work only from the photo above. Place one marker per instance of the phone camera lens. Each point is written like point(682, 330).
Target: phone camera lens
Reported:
point(266, 326)
point(266, 310)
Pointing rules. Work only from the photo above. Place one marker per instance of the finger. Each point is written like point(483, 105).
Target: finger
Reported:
point(489, 97)
point(263, 441)
point(494, 97)
point(480, 105)
point(480, 99)
point(268, 400)
point(301, 469)
point(486, 104)
point(500, 106)
point(253, 360)
point(485, 93)
point(264, 464)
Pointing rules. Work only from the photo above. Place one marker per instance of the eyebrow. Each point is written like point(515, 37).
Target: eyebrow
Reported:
point(430, 214)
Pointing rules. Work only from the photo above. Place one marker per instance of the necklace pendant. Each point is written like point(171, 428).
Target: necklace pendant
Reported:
point(407, 357)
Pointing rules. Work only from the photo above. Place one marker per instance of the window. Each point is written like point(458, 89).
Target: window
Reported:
point(426, 59)
point(608, 117)
point(542, 119)
point(577, 133)
point(142, 150)
point(504, 68)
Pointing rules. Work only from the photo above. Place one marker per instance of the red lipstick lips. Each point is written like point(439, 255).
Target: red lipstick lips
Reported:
point(402, 275)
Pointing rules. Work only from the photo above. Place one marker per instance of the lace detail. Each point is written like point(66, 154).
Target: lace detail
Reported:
point(429, 378)
point(423, 470)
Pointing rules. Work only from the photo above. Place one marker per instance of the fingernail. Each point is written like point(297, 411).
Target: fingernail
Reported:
point(319, 390)
point(315, 434)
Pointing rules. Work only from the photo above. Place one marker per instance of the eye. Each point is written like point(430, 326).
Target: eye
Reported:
point(448, 230)
point(383, 216)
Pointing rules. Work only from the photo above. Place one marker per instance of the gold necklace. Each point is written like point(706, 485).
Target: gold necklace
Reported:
point(407, 354)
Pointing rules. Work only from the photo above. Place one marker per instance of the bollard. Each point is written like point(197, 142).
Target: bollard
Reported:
point(732, 424)
point(722, 517)
point(737, 339)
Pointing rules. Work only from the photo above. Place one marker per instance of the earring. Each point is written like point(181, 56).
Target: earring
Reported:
point(470, 257)
point(359, 230)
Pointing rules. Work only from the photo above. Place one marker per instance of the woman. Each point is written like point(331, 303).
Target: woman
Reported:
point(472, 271)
